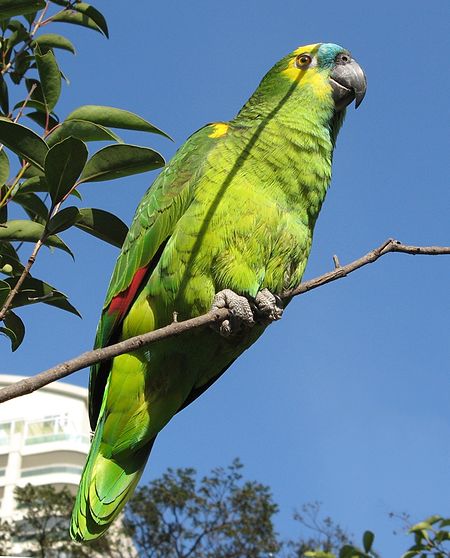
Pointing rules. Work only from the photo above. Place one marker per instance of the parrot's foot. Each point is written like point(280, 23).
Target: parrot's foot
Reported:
point(265, 309)
point(241, 312)
point(269, 307)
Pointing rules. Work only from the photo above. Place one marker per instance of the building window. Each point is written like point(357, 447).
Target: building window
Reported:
point(5, 432)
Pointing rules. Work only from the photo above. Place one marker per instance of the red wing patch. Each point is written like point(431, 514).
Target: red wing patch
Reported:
point(121, 302)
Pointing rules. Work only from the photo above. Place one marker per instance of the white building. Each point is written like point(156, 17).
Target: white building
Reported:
point(44, 439)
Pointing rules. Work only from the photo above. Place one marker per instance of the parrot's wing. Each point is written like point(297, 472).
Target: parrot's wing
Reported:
point(154, 221)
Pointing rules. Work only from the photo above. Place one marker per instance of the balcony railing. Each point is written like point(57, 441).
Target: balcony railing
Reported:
point(60, 436)
point(36, 471)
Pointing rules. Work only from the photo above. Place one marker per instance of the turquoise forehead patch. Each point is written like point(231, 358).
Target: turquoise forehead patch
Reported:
point(328, 52)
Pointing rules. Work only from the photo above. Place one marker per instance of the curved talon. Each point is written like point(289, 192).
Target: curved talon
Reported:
point(265, 309)
point(241, 312)
point(269, 306)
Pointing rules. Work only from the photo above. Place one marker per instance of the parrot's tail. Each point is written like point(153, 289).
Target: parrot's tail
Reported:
point(105, 487)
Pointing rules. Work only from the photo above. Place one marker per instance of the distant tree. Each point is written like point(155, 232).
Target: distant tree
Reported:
point(6, 531)
point(220, 516)
point(44, 525)
point(323, 535)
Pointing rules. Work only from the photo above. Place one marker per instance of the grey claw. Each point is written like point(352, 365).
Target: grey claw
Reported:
point(269, 305)
point(241, 312)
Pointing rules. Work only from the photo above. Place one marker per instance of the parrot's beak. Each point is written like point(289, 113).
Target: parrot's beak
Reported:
point(349, 83)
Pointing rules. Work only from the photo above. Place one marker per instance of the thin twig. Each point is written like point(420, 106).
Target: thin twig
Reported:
point(89, 358)
point(390, 245)
point(24, 104)
point(26, 270)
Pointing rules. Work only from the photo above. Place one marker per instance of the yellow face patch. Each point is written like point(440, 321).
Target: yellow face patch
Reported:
point(219, 130)
point(309, 76)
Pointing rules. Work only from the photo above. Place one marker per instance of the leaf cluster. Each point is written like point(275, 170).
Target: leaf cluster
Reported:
point(42, 529)
point(41, 170)
point(431, 538)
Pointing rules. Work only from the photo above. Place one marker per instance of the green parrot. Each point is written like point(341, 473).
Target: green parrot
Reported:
point(227, 223)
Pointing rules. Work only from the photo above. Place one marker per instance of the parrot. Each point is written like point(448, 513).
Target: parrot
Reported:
point(228, 223)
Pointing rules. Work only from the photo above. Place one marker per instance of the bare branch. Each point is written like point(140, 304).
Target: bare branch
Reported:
point(390, 245)
point(25, 272)
point(89, 358)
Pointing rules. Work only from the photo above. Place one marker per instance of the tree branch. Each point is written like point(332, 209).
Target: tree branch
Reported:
point(25, 272)
point(89, 358)
point(390, 245)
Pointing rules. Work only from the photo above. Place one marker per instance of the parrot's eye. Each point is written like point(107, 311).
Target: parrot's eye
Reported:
point(303, 61)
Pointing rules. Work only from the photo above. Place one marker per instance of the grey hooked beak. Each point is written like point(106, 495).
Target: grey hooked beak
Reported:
point(349, 83)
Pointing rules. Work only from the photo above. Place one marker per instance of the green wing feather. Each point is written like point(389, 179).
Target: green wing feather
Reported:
point(156, 216)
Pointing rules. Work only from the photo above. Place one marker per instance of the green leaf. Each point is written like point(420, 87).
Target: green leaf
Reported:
point(34, 290)
point(4, 97)
point(421, 526)
point(18, 34)
point(63, 219)
point(4, 292)
point(116, 161)
point(37, 89)
point(63, 165)
point(10, 8)
point(32, 204)
point(41, 119)
point(34, 184)
point(51, 40)
point(94, 14)
point(29, 231)
point(114, 118)
point(4, 207)
point(76, 18)
point(49, 76)
point(16, 329)
point(82, 130)
point(368, 538)
point(103, 225)
point(31, 103)
point(23, 61)
point(350, 551)
point(32, 171)
point(4, 167)
point(23, 141)
point(8, 256)
point(4, 25)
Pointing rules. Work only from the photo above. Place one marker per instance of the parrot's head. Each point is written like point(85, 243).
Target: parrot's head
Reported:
point(321, 75)
point(327, 70)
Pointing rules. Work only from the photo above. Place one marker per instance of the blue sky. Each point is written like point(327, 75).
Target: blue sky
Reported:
point(346, 400)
